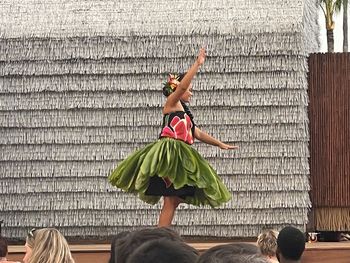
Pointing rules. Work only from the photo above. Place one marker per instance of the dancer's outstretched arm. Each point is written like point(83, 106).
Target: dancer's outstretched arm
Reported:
point(175, 97)
point(206, 138)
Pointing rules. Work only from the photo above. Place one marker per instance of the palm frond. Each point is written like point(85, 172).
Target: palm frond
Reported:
point(324, 11)
point(337, 5)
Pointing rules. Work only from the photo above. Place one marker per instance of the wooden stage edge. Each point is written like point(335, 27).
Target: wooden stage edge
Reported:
point(320, 252)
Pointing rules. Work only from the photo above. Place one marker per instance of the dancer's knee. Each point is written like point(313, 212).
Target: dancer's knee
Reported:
point(172, 201)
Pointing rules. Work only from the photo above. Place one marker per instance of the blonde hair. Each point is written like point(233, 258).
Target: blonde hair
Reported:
point(48, 246)
point(267, 242)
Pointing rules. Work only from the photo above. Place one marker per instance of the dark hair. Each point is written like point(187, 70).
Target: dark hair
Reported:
point(3, 247)
point(187, 110)
point(232, 253)
point(127, 245)
point(166, 88)
point(164, 250)
point(115, 239)
point(291, 243)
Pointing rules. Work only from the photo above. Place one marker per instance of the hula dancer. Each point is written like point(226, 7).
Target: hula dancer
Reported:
point(170, 167)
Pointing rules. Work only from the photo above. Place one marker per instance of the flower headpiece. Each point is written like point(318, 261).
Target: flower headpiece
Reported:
point(172, 82)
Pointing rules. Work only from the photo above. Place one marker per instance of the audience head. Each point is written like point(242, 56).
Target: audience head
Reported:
point(4, 250)
point(232, 253)
point(164, 250)
point(125, 246)
point(47, 245)
point(290, 244)
point(267, 243)
point(3, 247)
point(115, 239)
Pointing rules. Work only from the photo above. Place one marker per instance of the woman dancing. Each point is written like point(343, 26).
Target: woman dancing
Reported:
point(170, 167)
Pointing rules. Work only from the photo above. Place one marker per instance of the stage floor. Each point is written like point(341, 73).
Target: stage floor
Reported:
point(319, 252)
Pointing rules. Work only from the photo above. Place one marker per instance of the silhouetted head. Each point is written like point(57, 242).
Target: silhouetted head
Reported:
point(125, 246)
point(232, 253)
point(290, 243)
point(164, 250)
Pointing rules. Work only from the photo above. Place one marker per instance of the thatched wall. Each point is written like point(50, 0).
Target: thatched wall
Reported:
point(80, 89)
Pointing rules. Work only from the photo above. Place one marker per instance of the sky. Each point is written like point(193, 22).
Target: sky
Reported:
point(338, 31)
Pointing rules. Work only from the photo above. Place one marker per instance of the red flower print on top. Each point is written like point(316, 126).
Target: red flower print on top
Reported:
point(179, 129)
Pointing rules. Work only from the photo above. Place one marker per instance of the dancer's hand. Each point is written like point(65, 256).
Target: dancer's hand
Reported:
point(225, 146)
point(201, 56)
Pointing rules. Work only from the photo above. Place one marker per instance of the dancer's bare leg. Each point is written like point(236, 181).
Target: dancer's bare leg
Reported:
point(168, 210)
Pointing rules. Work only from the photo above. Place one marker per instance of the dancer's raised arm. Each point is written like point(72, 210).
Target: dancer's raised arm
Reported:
point(182, 87)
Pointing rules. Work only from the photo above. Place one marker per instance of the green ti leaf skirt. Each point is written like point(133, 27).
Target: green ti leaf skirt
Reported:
point(178, 162)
